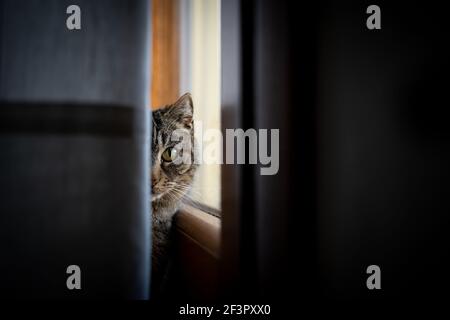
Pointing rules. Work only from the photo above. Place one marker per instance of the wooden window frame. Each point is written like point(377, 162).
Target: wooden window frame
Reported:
point(165, 52)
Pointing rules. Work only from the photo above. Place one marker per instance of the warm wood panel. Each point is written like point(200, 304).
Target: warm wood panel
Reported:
point(197, 255)
point(165, 49)
point(203, 227)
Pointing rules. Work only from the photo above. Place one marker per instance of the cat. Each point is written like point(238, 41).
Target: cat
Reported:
point(171, 178)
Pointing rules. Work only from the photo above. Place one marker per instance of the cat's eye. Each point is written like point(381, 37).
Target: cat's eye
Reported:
point(169, 154)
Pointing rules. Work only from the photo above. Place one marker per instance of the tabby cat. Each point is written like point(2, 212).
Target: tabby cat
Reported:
point(172, 174)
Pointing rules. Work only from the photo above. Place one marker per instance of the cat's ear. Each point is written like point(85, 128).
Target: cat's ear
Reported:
point(184, 110)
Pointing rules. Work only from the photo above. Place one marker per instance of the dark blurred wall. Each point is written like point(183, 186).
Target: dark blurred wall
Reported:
point(364, 150)
point(74, 162)
point(384, 150)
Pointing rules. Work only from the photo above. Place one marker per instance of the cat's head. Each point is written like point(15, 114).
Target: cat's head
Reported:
point(173, 167)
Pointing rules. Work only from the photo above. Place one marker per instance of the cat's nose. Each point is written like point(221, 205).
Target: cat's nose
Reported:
point(154, 180)
point(155, 176)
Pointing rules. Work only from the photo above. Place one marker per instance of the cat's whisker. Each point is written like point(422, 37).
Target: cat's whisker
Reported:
point(183, 191)
point(177, 191)
point(185, 195)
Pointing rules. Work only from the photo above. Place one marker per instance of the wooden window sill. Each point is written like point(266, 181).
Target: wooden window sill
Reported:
point(201, 227)
point(197, 250)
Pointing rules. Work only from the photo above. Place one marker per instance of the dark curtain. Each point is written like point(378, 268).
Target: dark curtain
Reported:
point(364, 150)
point(74, 149)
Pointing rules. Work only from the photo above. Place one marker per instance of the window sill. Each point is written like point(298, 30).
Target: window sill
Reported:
point(201, 227)
point(197, 251)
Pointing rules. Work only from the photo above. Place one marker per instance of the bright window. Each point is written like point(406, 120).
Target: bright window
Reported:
point(186, 58)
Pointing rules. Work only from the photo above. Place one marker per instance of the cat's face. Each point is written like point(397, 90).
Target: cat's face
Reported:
point(173, 167)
